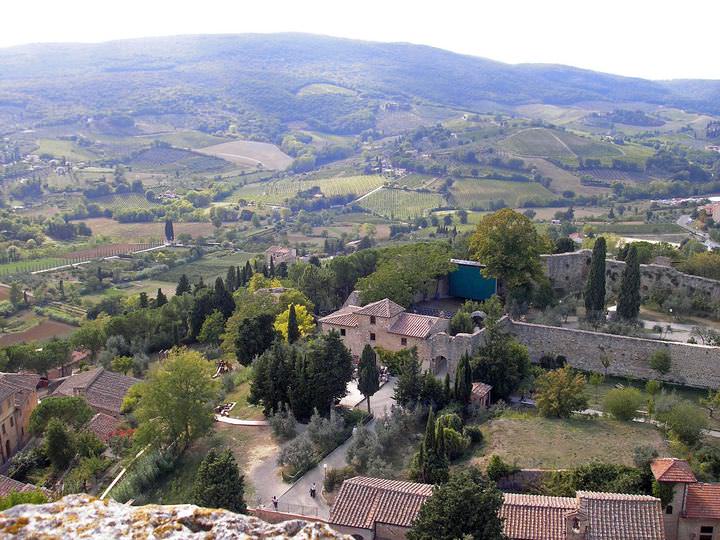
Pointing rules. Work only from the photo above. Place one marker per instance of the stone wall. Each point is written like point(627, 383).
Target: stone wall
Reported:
point(692, 365)
point(568, 272)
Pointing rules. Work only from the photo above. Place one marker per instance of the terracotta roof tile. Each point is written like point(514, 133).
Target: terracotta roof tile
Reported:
point(703, 501)
point(103, 425)
point(413, 325)
point(8, 485)
point(612, 516)
point(342, 317)
point(481, 389)
point(672, 470)
point(364, 501)
point(382, 308)
point(103, 389)
point(535, 517)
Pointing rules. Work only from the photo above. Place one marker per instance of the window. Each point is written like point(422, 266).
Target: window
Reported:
point(12, 422)
point(372, 336)
point(706, 533)
point(342, 331)
point(372, 319)
point(669, 509)
point(403, 341)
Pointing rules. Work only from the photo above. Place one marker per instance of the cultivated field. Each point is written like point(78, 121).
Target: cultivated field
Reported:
point(532, 441)
point(186, 139)
point(538, 142)
point(315, 89)
point(208, 267)
point(250, 153)
point(479, 192)
point(67, 149)
point(612, 175)
point(144, 231)
point(402, 204)
point(43, 331)
point(278, 191)
point(123, 201)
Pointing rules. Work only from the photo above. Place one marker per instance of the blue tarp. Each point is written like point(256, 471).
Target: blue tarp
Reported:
point(469, 283)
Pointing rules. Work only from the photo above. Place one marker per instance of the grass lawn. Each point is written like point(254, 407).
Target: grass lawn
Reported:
point(67, 149)
point(249, 445)
point(240, 394)
point(532, 441)
point(208, 267)
point(276, 192)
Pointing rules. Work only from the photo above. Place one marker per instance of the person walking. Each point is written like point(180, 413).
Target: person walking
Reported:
point(313, 490)
point(275, 502)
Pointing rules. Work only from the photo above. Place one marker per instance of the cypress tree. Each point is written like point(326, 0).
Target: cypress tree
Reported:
point(231, 280)
point(447, 388)
point(628, 306)
point(248, 271)
point(222, 299)
point(463, 380)
point(293, 330)
point(595, 286)
point(271, 272)
point(368, 374)
point(240, 276)
point(199, 285)
point(169, 230)
point(143, 300)
point(183, 286)
point(219, 484)
point(161, 299)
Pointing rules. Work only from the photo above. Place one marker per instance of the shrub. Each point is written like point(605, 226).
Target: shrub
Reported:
point(283, 423)
point(660, 361)
point(326, 433)
point(298, 456)
point(686, 422)
point(336, 476)
point(497, 469)
point(27, 497)
point(461, 323)
point(475, 433)
point(643, 456)
point(142, 474)
point(363, 449)
point(456, 444)
point(88, 444)
point(623, 403)
point(451, 420)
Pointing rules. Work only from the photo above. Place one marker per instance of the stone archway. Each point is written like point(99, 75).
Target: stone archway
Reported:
point(439, 366)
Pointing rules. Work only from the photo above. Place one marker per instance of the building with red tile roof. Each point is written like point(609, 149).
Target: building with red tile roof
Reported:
point(104, 390)
point(693, 511)
point(480, 394)
point(18, 399)
point(387, 325)
point(373, 508)
point(8, 486)
point(103, 425)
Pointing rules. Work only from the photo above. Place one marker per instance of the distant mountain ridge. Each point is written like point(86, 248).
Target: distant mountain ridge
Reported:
point(218, 77)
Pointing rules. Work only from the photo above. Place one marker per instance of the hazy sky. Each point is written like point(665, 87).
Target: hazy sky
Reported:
point(646, 38)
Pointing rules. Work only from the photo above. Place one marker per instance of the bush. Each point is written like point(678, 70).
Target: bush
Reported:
point(88, 444)
point(660, 361)
point(142, 474)
point(475, 433)
point(451, 420)
point(27, 497)
point(326, 433)
point(283, 423)
point(363, 449)
point(336, 476)
point(623, 403)
point(456, 444)
point(298, 456)
point(497, 469)
point(643, 456)
point(686, 422)
point(461, 323)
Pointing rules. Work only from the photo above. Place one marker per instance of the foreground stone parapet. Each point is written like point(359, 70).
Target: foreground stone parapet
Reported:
point(82, 516)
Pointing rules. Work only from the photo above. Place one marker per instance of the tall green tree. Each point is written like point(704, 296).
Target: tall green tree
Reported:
point(330, 368)
point(409, 383)
point(368, 374)
point(561, 392)
point(177, 399)
point(222, 298)
point(160, 299)
point(274, 373)
point(463, 380)
point(466, 506)
point(502, 362)
point(143, 300)
point(595, 286)
point(16, 295)
point(431, 465)
point(219, 484)
point(628, 306)
point(254, 336)
point(72, 411)
point(293, 333)
point(169, 230)
point(183, 286)
point(510, 247)
point(212, 329)
point(58, 444)
point(231, 280)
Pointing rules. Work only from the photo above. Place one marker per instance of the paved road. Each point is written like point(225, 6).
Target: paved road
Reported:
point(685, 222)
point(239, 422)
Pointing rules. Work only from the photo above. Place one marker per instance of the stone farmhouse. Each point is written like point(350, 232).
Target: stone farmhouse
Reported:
point(18, 399)
point(694, 510)
point(378, 509)
point(387, 325)
point(279, 254)
point(103, 389)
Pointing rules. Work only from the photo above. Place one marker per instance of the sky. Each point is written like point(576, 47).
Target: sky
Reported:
point(660, 39)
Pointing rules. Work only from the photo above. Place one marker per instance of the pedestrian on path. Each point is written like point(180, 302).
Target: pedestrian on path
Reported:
point(313, 490)
point(275, 502)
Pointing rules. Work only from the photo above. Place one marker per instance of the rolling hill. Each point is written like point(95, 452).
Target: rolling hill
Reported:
point(261, 82)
